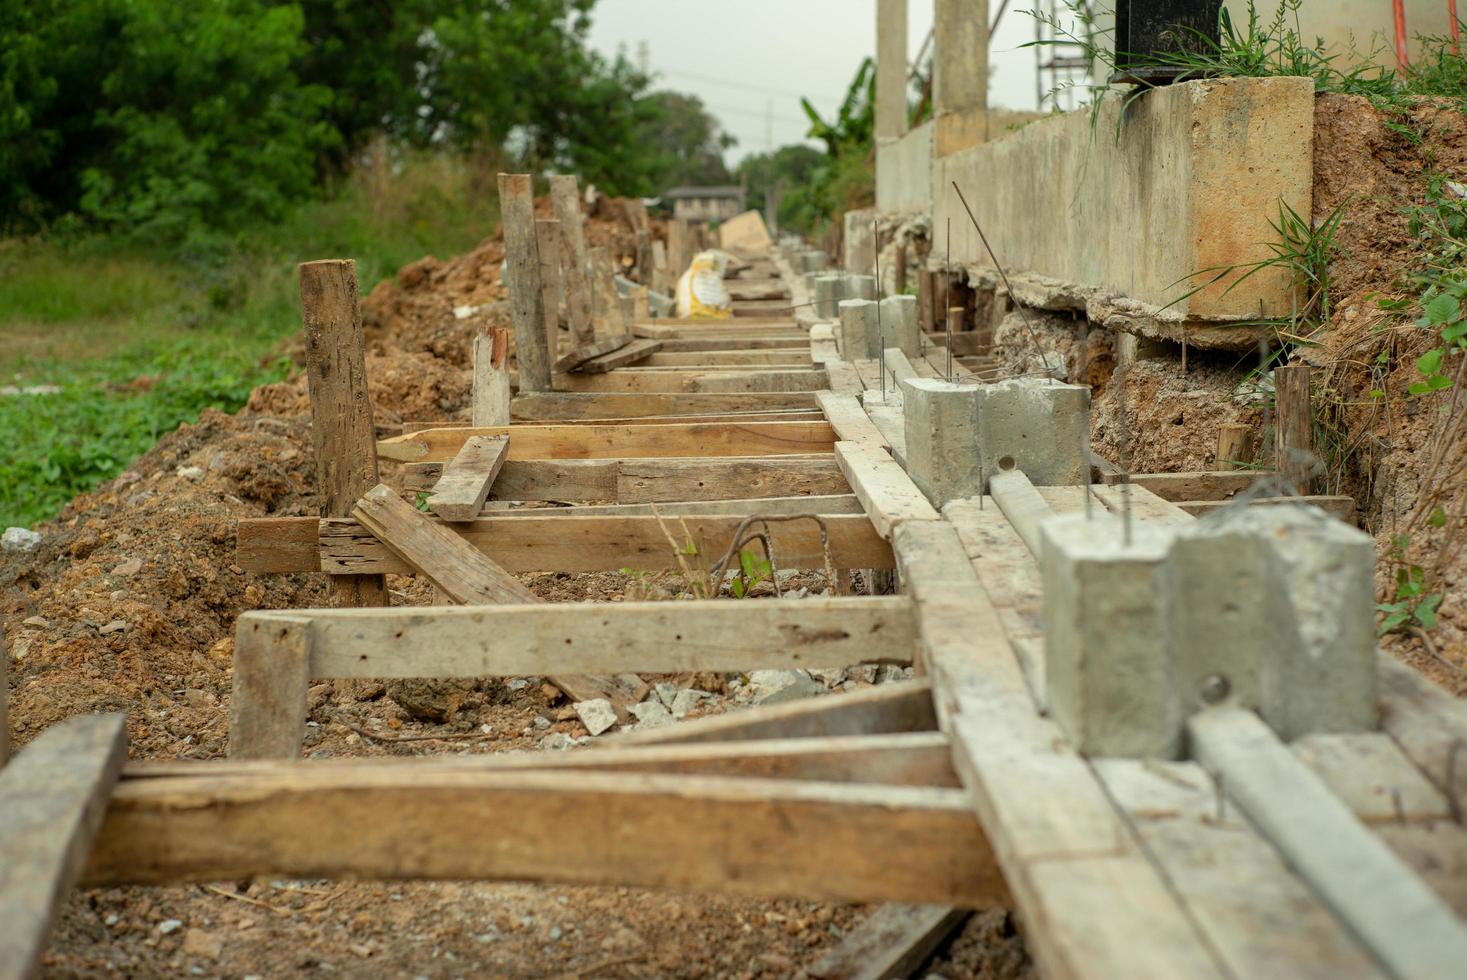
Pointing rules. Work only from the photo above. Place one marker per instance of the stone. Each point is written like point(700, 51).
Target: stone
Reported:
point(1274, 610)
point(651, 714)
point(193, 474)
point(686, 701)
point(829, 676)
point(557, 742)
point(597, 715)
point(428, 698)
point(36, 622)
point(127, 568)
point(779, 686)
point(19, 539)
point(1107, 652)
point(666, 693)
point(541, 723)
point(116, 626)
point(1037, 426)
point(942, 438)
point(169, 926)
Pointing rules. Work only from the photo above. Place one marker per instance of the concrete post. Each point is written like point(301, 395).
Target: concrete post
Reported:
point(860, 287)
point(1107, 663)
point(899, 314)
point(857, 328)
point(941, 427)
point(828, 292)
point(1273, 609)
point(960, 74)
point(860, 241)
point(891, 69)
point(1036, 426)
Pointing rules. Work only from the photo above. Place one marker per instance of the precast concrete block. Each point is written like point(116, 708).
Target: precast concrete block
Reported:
point(1037, 426)
point(829, 291)
point(941, 435)
point(904, 331)
point(857, 328)
point(1109, 672)
point(860, 287)
point(817, 260)
point(1273, 609)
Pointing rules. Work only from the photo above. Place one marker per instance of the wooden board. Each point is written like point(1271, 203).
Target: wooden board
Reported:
point(891, 944)
point(522, 281)
point(559, 405)
point(767, 380)
point(460, 493)
point(607, 638)
point(429, 548)
point(747, 507)
point(52, 798)
point(883, 487)
point(540, 544)
point(731, 358)
point(1341, 507)
point(901, 706)
point(638, 481)
point(629, 353)
point(849, 420)
point(702, 344)
point(612, 441)
point(596, 348)
point(690, 833)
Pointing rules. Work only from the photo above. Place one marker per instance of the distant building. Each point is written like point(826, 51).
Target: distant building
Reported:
point(705, 203)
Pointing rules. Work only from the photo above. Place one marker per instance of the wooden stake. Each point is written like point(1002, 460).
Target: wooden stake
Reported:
point(899, 282)
point(4, 699)
point(678, 256)
point(574, 260)
point(547, 243)
point(660, 273)
point(522, 278)
point(1293, 448)
point(341, 412)
point(1234, 446)
point(491, 378)
point(606, 306)
point(267, 710)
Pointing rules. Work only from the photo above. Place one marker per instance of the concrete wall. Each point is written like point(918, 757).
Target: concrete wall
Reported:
point(1188, 180)
point(904, 173)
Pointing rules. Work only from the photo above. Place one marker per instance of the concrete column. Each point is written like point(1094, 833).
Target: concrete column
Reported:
point(899, 315)
point(941, 427)
point(857, 328)
point(891, 69)
point(1107, 664)
point(860, 239)
point(829, 289)
point(860, 287)
point(960, 70)
point(1273, 609)
point(1035, 426)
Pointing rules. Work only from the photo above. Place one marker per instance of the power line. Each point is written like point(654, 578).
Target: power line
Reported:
point(743, 86)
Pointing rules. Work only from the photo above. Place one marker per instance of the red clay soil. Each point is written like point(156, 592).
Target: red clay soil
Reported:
point(129, 605)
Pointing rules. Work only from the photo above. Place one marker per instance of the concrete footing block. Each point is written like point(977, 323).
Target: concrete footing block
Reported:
point(899, 314)
point(1108, 665)
point(941, 430)
point(1037, 426)
point(1273, 610)
point(829, 290)
point(857, 328)
point(860, 287)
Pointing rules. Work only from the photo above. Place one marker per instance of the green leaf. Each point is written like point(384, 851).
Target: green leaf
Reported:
point(1426, 611)
point(1443, 310)
point(1438, 518)
point(1430, 362)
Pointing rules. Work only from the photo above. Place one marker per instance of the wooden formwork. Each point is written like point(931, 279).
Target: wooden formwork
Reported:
point(1115, 867)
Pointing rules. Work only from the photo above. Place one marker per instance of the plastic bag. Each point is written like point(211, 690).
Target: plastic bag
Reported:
point(701, 293)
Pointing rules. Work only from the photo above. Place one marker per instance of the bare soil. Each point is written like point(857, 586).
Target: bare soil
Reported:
point(129, 605)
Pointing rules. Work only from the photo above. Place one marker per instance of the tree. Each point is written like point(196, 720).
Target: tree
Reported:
point(790, 166)
point(685, 143)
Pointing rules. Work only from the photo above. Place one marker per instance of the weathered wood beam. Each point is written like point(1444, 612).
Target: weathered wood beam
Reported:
point(342, 432)
point(1341, 507)
point(527, 543)
point(522, 279)
point(886, 492)
point(546, 406)
point(576, 261)
point(612, 441)
point(692, 833)
point(891, 944)
point(460, 492)
point(740, 343)
point(594, 349)
point(52, 798)
point(630, 353)
point(491, 377)
point(728, 358)
point(754, 506)
point(772, 380)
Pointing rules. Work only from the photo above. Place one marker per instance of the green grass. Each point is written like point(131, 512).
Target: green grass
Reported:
point(140, 342)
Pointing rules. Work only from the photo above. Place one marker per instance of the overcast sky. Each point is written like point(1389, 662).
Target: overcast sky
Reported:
point(751, 60)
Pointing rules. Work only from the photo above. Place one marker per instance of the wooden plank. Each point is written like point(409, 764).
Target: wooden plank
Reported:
point(902, 706)
point(1428, 724)
point(596, 348)
point(1260, 918)
point(1406, 926)
point(529, 543)
point(547, 246)
point(461, 571)
point(656, 480)
point(770, 358)
point(715, 382)
point(746, 507)
point(53, 796)
point(573, 480)
point(898, 759)
point(689, 833)
point(719, 329)
point(1199, 485)
point(883, 487)
point(849, 420)
point(491, 377)
point(741, 343)
point(567, 203)
point(614, 441)
point(460, 493)
point(1373, 777)
point(522, 280)
point(892, 943)
point(629, 353)
point(1294, 440)
point(607, 638)
point(342, 432)
point(605, 299)
point(551, 406)
point(1340, 507)
point(267, 710)
point(1144, 505)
